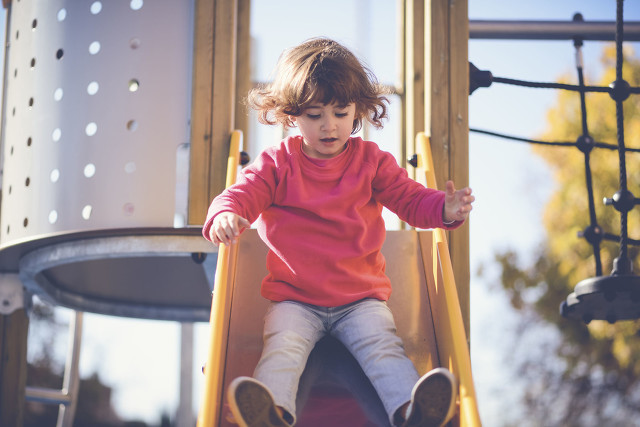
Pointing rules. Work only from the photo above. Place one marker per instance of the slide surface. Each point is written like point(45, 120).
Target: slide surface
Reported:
point(333, 386)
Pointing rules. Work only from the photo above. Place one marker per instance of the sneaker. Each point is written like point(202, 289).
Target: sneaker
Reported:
point(432, 400)
point(252, 404)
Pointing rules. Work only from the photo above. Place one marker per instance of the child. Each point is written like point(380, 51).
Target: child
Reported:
point(317, 199)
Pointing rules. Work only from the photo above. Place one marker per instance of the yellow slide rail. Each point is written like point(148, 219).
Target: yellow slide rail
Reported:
point(450, 332)
point(211, 406)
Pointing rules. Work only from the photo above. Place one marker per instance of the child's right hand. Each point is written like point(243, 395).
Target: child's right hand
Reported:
point(227, 227)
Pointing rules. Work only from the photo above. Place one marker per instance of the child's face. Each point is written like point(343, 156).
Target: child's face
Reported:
point(325, 128)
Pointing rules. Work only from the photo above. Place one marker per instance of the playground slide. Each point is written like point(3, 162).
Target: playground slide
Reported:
point(333, 390)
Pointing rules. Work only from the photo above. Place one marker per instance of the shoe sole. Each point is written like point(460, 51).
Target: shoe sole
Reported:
point(434, 399)
point(252, 404)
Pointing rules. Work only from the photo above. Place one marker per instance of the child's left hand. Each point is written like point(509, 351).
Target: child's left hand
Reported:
point(457, 203)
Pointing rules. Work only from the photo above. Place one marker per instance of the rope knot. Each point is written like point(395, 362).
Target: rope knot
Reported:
point(620, 90)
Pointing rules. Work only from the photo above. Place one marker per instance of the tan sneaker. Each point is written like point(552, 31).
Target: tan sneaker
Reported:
point(252, 404)
point(432, 400)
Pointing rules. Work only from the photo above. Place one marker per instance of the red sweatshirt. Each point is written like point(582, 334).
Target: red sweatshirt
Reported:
point(321, 219)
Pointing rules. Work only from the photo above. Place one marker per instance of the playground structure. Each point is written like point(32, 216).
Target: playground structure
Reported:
point(85, 217)
point(90, 220)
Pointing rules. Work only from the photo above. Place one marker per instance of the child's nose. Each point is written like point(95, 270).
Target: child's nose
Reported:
point(329, 123)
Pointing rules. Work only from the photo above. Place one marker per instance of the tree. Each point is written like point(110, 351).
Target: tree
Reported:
point(581, 375)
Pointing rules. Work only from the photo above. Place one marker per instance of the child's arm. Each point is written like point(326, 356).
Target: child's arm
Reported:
point(239, 205)
point(226, 227)
point(457, 203)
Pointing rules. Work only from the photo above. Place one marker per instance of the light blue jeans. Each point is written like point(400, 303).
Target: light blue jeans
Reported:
point(366, 328)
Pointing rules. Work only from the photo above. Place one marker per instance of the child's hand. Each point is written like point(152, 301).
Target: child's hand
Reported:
point(226, 228)
point(457, 203)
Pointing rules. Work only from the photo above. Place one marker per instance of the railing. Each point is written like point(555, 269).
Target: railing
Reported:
point(67, 397)
point(450, 333)
point(220, 310)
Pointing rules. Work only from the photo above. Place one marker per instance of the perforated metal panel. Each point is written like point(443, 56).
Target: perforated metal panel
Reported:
point(97, 106)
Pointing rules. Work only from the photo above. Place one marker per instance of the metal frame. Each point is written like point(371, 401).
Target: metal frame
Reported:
point(67, 397)
point(551, 30)
point(34, 267)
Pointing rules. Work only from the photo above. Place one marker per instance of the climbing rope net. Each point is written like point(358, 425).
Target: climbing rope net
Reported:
point(617, 296)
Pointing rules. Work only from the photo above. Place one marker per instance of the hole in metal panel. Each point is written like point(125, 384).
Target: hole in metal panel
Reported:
point(94, 47)
point(128, 208)
point(134, 43)
point(92, 88)
point(86, 212)
point(136, 4)
point(91, 129)
point(96, 7)
point(56, 134)
point(132, 125)
point(89, 170)
point(134, 85)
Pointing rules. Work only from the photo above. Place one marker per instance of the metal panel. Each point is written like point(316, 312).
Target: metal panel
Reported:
point(97, 103)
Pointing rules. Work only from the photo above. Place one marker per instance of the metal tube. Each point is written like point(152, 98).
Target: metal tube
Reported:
point(47, 395)
point(551, 30)
point(185, 415)
point(71, 381)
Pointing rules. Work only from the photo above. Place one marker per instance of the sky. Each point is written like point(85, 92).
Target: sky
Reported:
point(510, 184)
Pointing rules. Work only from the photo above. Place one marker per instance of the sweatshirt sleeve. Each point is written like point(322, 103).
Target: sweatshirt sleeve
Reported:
point(414, 203)
point(249, 196)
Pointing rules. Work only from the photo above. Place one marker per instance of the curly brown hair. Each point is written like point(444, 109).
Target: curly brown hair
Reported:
point(319, 70)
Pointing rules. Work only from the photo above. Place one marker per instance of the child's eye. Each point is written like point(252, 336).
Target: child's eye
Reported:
point(341, 114)
point(313, 116)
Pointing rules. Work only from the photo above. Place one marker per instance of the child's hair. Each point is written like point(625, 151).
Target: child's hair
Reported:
point(319, 70)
